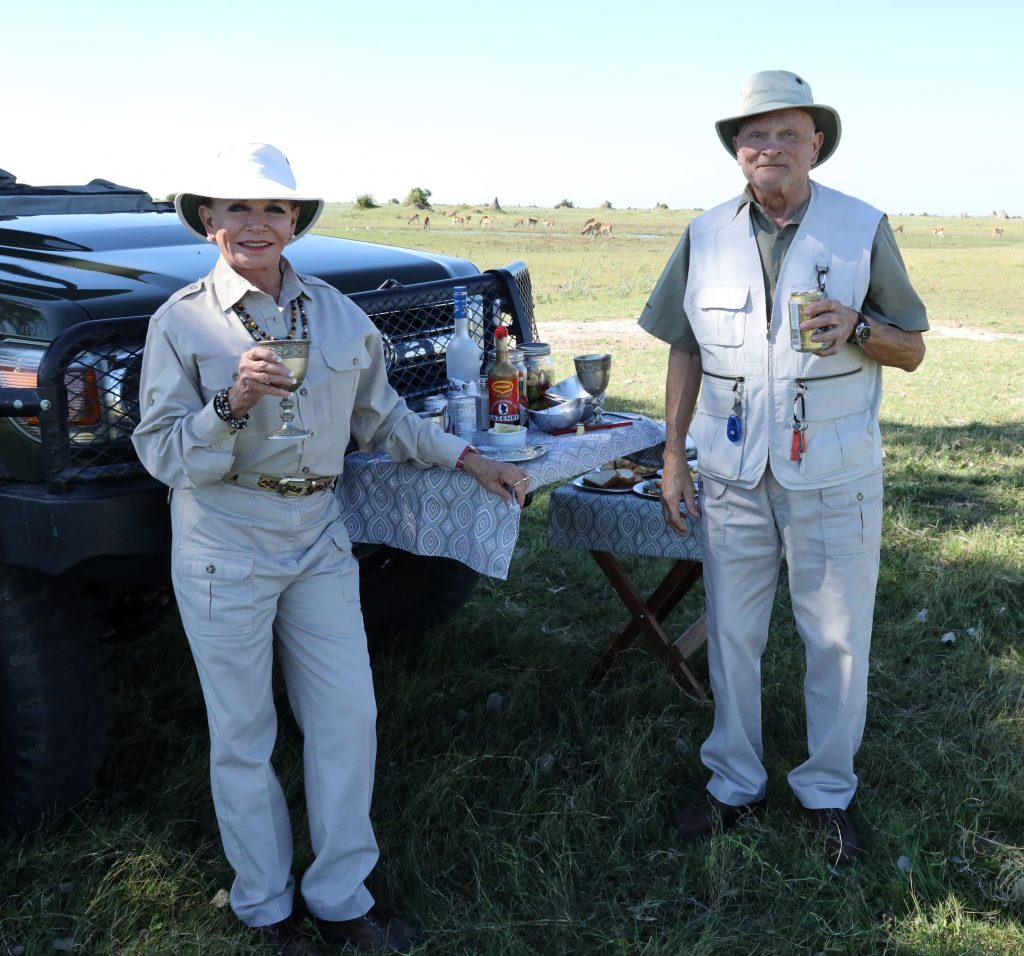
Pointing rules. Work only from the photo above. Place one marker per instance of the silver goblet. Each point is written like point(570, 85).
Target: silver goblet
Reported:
point(594, 372)
point(294, 355)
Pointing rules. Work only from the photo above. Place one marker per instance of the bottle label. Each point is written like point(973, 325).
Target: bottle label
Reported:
point(504, 401)
point(456, 386)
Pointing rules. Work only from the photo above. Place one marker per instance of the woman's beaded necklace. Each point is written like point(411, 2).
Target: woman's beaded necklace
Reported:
point(261, 335)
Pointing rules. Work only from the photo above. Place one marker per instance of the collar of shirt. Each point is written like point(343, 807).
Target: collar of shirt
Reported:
point(230, 288)
point(762, 221)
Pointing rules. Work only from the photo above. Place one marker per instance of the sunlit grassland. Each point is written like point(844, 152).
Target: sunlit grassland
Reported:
point(535, 822)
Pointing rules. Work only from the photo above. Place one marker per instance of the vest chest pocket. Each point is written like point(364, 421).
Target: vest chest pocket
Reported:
point(720, 316)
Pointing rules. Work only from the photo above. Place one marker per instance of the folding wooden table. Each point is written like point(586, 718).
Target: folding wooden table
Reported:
point(605, 524)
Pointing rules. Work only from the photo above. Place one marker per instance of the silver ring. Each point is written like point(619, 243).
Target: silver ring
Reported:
point(521, 480)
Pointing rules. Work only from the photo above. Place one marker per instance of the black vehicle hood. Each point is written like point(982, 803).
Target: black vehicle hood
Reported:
point(63, 269)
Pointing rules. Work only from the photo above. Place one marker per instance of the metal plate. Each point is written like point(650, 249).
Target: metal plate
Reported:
point(514, 455)
point(644, 489)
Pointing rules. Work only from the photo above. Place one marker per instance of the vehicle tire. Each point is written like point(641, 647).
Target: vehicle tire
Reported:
point(401, 591)
point(56, 696)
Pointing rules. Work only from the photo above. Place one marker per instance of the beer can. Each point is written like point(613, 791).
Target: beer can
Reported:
point(463, 413)
point(799, 340)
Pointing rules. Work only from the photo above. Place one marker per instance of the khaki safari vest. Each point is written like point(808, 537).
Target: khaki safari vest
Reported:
point(752, 372)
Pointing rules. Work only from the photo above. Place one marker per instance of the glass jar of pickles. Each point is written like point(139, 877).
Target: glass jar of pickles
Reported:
point(540, 371)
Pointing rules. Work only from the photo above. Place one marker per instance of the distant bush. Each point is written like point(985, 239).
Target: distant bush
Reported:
point(418, 197)
point(365, 202)
point(565, 204)
point(393, 202)
point(607, 204)
point(661, 205)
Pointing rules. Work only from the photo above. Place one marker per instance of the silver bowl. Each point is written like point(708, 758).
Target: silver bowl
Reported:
point(566, 414)
point(569, 389)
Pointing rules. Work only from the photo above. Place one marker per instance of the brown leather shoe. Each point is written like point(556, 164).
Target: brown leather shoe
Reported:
point(843, 844)
point(707, 815)
point(378, 929)
point(286, 939)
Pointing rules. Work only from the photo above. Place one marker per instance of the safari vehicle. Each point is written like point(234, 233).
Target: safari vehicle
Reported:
point(84, 531)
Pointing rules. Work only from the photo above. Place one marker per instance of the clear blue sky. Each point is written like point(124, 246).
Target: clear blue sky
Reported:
point(532, 101)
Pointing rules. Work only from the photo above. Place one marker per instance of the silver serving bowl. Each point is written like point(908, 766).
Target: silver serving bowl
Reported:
point(569, 389)
point(566, 414)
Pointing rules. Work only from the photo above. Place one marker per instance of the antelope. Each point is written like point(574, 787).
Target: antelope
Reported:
point(997, 233)
point(589, 227)
point(426, 222)
point(415, 217)
point(939, 233)
point(531, 223)
point(486, 220)
point(898, 229)
point(518, 223)
point(604, 229)
point(459, 220)
point(549, 223)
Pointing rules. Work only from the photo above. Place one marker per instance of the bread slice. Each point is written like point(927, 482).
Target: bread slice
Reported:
point(610, 478)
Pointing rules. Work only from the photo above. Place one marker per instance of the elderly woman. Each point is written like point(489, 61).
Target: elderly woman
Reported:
point(256, 570)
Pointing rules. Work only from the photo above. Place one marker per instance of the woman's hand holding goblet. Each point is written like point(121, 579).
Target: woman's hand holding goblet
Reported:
point(259, 373)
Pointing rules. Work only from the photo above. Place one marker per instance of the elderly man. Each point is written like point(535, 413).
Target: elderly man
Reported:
point(789, 444)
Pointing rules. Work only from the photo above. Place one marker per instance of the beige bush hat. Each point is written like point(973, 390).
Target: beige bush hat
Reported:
point(249, 171)
point(772, 90)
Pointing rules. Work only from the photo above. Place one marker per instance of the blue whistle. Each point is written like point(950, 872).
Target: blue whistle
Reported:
point(734, 429)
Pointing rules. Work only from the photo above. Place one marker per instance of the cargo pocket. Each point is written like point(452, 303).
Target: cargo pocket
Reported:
point(720, 317)
point(348, 566)
point(851, 517)
point(214, 590)
point(718, 455)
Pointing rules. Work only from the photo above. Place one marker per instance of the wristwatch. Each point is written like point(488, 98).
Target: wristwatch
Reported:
point(861, 331)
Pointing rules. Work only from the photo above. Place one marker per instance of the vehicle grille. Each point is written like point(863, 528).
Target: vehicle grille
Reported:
point(96, 366)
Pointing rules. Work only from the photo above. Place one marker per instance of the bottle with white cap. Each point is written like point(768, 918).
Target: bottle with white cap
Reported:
point(462, 364)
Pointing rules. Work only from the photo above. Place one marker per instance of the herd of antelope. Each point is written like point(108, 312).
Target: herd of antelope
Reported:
point(594, 227)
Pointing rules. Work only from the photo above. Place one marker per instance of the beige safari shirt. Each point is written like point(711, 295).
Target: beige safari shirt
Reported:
point(891, 298)
point(193, 346)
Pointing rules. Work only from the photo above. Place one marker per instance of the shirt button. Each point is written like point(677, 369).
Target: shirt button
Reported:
point(302, 391)
point(305, 469)
point(860, 495)
point(210, 568)
point(355, 361)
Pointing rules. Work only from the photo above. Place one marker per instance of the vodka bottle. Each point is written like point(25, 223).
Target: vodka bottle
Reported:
point(462, 363)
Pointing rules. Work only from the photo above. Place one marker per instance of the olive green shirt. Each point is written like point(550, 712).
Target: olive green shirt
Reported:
point(890, 298)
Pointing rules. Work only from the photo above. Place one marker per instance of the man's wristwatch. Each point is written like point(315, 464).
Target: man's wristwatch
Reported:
point(861, 331)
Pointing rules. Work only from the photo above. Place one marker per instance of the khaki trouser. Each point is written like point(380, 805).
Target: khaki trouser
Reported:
point(257, 574)
point(831, 539)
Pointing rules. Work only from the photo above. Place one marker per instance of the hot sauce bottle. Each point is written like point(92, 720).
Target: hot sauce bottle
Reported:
point(503, 383)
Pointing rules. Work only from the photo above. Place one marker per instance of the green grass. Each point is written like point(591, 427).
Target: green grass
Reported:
point(540, 827)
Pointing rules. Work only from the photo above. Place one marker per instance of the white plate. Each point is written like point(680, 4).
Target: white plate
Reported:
point(579, 483)
point(644, 490)
point(514, 455)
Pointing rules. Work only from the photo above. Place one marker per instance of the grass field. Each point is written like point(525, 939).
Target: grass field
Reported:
point(535, 823)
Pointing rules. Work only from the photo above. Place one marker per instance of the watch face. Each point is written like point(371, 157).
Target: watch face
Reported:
point(862, 332)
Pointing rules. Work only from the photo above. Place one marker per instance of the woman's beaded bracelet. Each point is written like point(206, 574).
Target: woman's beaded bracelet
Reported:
point(222, 406)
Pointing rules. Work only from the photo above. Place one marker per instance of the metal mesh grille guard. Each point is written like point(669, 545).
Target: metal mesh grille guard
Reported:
point(90, 374)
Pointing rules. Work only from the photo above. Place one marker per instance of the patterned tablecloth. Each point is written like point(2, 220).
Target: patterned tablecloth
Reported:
point(626, 523)
point(444, 513)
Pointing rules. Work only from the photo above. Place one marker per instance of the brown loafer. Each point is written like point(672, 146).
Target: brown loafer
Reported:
point(843, 844)
point(707, 815)
point(378, 929)
point(286, 939)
